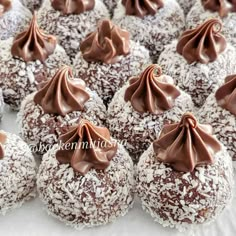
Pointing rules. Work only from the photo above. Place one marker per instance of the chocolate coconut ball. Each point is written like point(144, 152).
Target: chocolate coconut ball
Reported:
point(89, 186)
point(32, 4)
point(185, 178)
point(223, 10)
point(17, 172)
point(71, 21)
point(108, 58)
point(153, 24)
point(186, 5)
point(1, 104)
point(219, 110)
point(26, 61)
point(139, 109)
point(199, 60)
point(48, 113)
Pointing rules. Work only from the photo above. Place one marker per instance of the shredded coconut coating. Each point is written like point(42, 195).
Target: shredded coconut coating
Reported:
point(18, 78)
point(71, 29)
point(186, 5)
point(198, 15)
point(139, 130)
point(198, 80)
point(17, 174)
point(154, 32)
point(184, 200)
point(14, 21)
point(95, 199)
point(32, 4)
point(1, 104)
point(40, 130)
point(222, 121)
point(106, 79)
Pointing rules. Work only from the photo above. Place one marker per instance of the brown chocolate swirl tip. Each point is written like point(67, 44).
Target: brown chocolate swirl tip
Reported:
point(67, 7)
point(202, 44)
point(5, 5)
point(186, 145)
point(3, 139)
point(90, 147)
point(33, 44)
point(62, 94)
point(107, 44)
point(141, 8)
point(226, 94)
point(151, 91)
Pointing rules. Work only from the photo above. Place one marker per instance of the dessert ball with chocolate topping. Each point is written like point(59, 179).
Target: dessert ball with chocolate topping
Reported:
point(32, 4)
point(224, 10)
point(219, 110)
point(139, 109)
point(26, 61)
point(71, 20)
point(186, 177)
point(186, 5)
point(108, 58)
point(154, 23)
point(13, 18)
point(199, 60)
point(48, 113)
point(17, 172)
point(89, 183)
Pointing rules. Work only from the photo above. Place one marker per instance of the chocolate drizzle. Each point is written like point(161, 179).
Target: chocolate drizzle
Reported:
point(186, 145)
point(106, 45)
point(90, 146)
point(3, 139)
point(5, 5)
point(62, 94)
point(151, 91)
point(141, 8)
point(33, 44)
point(226, 94)
point(202, 44)
point(67, 7)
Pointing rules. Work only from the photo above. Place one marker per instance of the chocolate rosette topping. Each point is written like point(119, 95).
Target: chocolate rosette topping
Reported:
point(202, 44)
point(226, 94)
point(90, 147)
point(151, 91)
point(67, 7)
point(141, 8)
point(106, 45)
point(33, 44)
point(186, 145)
point(5, 5)
point(3, 139)
point(62, 94)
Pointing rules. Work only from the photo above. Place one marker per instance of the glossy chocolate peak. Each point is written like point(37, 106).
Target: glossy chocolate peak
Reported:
point(202, 44)
point(91, 147)
point(3, 139)
point(73, 6)
point(62, 94)
point(151, 91)
point(33, 44)
point(142, 8)
point(226, 94)
point(186, 145)
point(5, 5)
point(107, 44)
point(223, 7)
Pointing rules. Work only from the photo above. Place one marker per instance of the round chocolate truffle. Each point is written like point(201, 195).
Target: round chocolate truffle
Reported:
point(90, 185)
point(219, 110)
point(17, 172)
point(199, 60)
point(108, 58)
point(139, 109)
point(32, 4)
point(186, 177)
point(224, 10)
point(71, 21)
point(153, 24)
point(60, 103)
point(186, 5)
point(26, 61)
point(13, 18)
point(1, 104)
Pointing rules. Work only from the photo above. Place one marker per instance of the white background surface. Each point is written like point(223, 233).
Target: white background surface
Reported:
point(32, 220)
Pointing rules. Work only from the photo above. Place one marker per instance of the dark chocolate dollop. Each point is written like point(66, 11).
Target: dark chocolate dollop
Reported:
point(5, 5)
point(3, 139)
